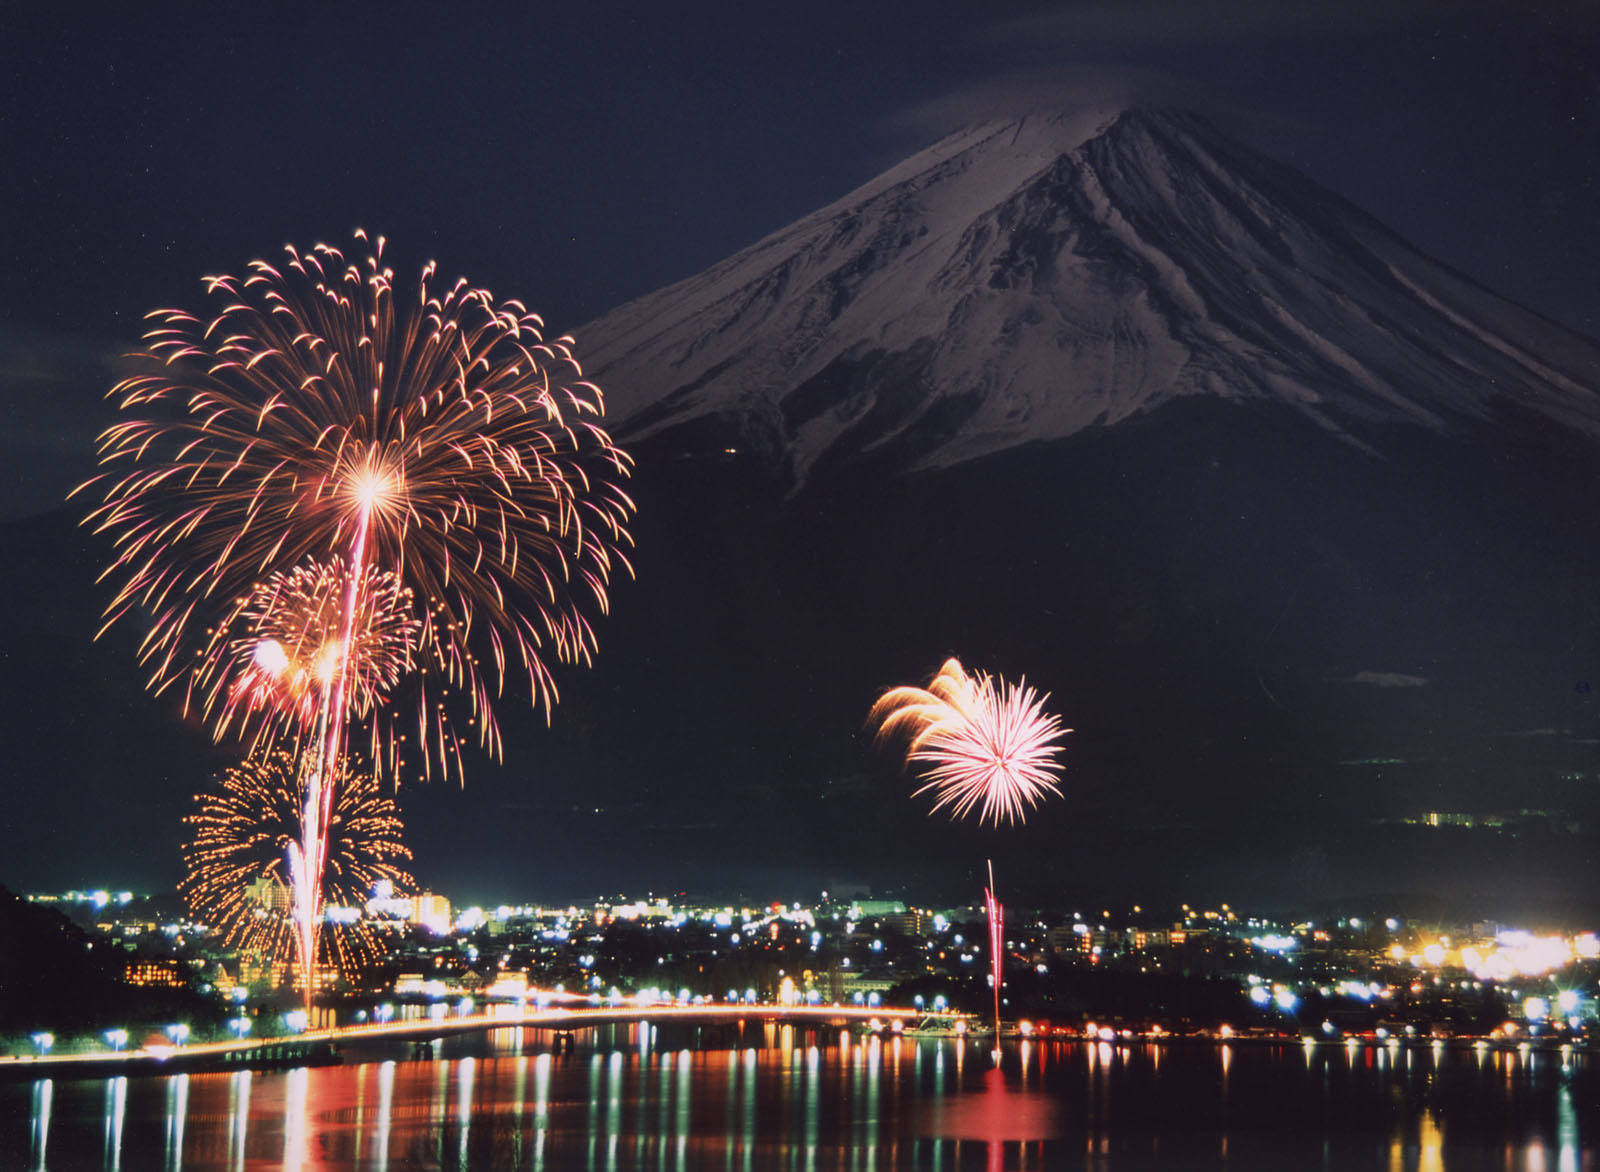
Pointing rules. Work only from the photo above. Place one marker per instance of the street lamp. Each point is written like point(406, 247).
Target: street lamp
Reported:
point(44, 1041)
point(117, 1038)
point(179, 1033)
point(295, 1020)
point(239, 1025)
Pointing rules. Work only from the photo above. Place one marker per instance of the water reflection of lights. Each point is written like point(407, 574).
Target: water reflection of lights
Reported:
point(1566, 1130)
point(886, 1095)
point(43, 1091)
point(1429, 1145)
point(294, 1117)
point(748, 1104)
point(116, 1109)
point(813, 1101)
point(177, 1110)
point(464, 1073)
point(239, 1117)
point(994, 1115)
point(613, 1106)
point(541, 1107)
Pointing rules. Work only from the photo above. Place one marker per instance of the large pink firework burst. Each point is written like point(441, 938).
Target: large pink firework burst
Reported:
point(979, 742)
point(316, 412)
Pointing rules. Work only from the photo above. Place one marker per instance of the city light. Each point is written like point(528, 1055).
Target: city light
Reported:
point(443, 981)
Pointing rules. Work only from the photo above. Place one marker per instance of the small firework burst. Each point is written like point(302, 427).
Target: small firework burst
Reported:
point(978, 742)
point(272, 665)
point(239, 851)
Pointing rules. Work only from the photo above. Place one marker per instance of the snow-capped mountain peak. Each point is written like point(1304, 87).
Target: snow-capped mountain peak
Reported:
point(1022, 280)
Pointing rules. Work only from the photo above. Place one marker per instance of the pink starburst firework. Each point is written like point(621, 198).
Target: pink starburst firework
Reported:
point(980, 743)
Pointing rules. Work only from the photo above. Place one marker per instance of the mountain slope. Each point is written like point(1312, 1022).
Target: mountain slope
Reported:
point(1022, 281)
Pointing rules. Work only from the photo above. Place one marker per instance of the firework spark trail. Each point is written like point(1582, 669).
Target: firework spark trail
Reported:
point(984, 743)
point(997, 947)
point(307, 420)
point(238, 845)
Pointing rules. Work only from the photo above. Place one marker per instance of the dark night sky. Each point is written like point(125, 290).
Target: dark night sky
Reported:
point(578, 159)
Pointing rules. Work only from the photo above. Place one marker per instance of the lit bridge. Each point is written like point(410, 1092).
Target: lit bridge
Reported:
point(566, 1019)
point(321, 1045)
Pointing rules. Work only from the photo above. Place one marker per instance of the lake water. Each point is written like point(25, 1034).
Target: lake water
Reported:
point(781, 1098)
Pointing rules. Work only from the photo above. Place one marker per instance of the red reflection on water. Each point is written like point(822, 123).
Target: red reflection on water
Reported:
point(996, 1115)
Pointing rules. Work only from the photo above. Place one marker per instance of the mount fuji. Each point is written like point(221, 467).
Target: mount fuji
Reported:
point(1022, 281)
